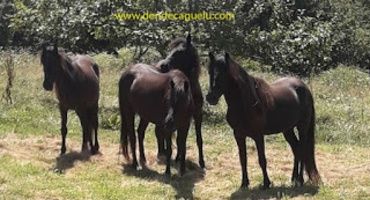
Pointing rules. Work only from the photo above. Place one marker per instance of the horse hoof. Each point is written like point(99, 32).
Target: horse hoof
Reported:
point(161, 158)
point(62, 151)
point(167, 173)
point(93, 151)
point(143, 161)
point(177, 158)
point(201, 164)
point(244, 185)
point(134, 166)
point(182, 172)
point(266, 185)
point(297, 183)
point(84, 149)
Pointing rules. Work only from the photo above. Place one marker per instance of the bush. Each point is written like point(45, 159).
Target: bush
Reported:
point(294, 36)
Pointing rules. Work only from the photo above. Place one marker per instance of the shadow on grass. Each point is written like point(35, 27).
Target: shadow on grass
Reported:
point(183, 186)
point(68, 160)
point(278, 192)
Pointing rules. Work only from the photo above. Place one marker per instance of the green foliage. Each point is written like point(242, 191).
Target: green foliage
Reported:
point(292, 36)
point(8, 66)
point(341, 97)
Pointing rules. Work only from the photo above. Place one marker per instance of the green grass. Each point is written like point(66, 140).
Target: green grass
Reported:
point(30, 142)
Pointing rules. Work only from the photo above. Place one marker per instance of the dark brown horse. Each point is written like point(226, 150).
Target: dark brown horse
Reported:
point(184, 57)
point(256, 108)
point(76, 83)
point(160, 98)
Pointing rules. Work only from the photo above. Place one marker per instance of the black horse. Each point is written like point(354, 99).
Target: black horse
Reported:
point(76, 83)
point(184, 57)
point(160, 98)
point(256, 108)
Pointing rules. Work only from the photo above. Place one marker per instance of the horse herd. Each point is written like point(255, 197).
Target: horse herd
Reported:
point(169, 95)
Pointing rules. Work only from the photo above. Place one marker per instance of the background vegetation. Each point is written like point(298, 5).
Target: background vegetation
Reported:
point(298, 36)
point(30, 144)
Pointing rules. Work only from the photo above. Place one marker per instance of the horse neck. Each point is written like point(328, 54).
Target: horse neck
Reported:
point(193, 77)
point(65, 70)
point(233, 94)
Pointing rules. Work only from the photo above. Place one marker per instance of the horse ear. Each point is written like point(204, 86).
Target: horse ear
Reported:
point(172, 84)
point(211, 56)
point(227, 57)
point(186, 86)
point(188, 39)
point(44, 45)
point(55, 48)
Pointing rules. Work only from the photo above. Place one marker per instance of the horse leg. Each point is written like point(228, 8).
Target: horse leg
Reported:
point(141, 134)
point(64, 130)
point(169, 152)
point(89, 132)
point(182, 135)
point(84, 125)
point(291, 138)
point(260, 143)
point(94, 130)
point(302, 130)
point(198, 130)
point(130, 122)
point(124, 136)
point(160, 142)
point(178, 143)
point(240, 140)
point(96, 126)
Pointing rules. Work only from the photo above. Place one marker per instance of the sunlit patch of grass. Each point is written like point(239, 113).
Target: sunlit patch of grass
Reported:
point(28, 172)
point(30, 165)
point(342, 107)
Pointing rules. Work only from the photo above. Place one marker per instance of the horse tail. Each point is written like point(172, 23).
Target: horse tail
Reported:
point(124, 83)
point(169, 121)
point(309, 148)
point(96, 69)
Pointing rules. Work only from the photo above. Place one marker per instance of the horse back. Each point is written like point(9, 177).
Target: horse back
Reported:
point(291, 99)
point(87, 66)
point(80, 88)
point(143, 90)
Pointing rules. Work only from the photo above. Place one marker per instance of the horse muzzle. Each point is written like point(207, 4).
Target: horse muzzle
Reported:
point(48, 86)
point(170, 126)
point(165, 68)
point(212, 99)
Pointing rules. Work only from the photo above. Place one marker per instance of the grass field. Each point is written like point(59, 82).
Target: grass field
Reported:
point(30, 166)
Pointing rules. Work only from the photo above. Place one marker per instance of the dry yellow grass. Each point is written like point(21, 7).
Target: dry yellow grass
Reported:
point(31, 169)
point(345, 170)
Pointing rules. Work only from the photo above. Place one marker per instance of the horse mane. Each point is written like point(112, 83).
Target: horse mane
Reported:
point(180, 87)
point(194, 53)
point(257, 86)
point(264, 92)
point(66, 63)
point(176, 42)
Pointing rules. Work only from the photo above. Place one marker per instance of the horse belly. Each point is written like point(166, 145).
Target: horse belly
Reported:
point(150, 107)
point(281, 120)
point(78, 96)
